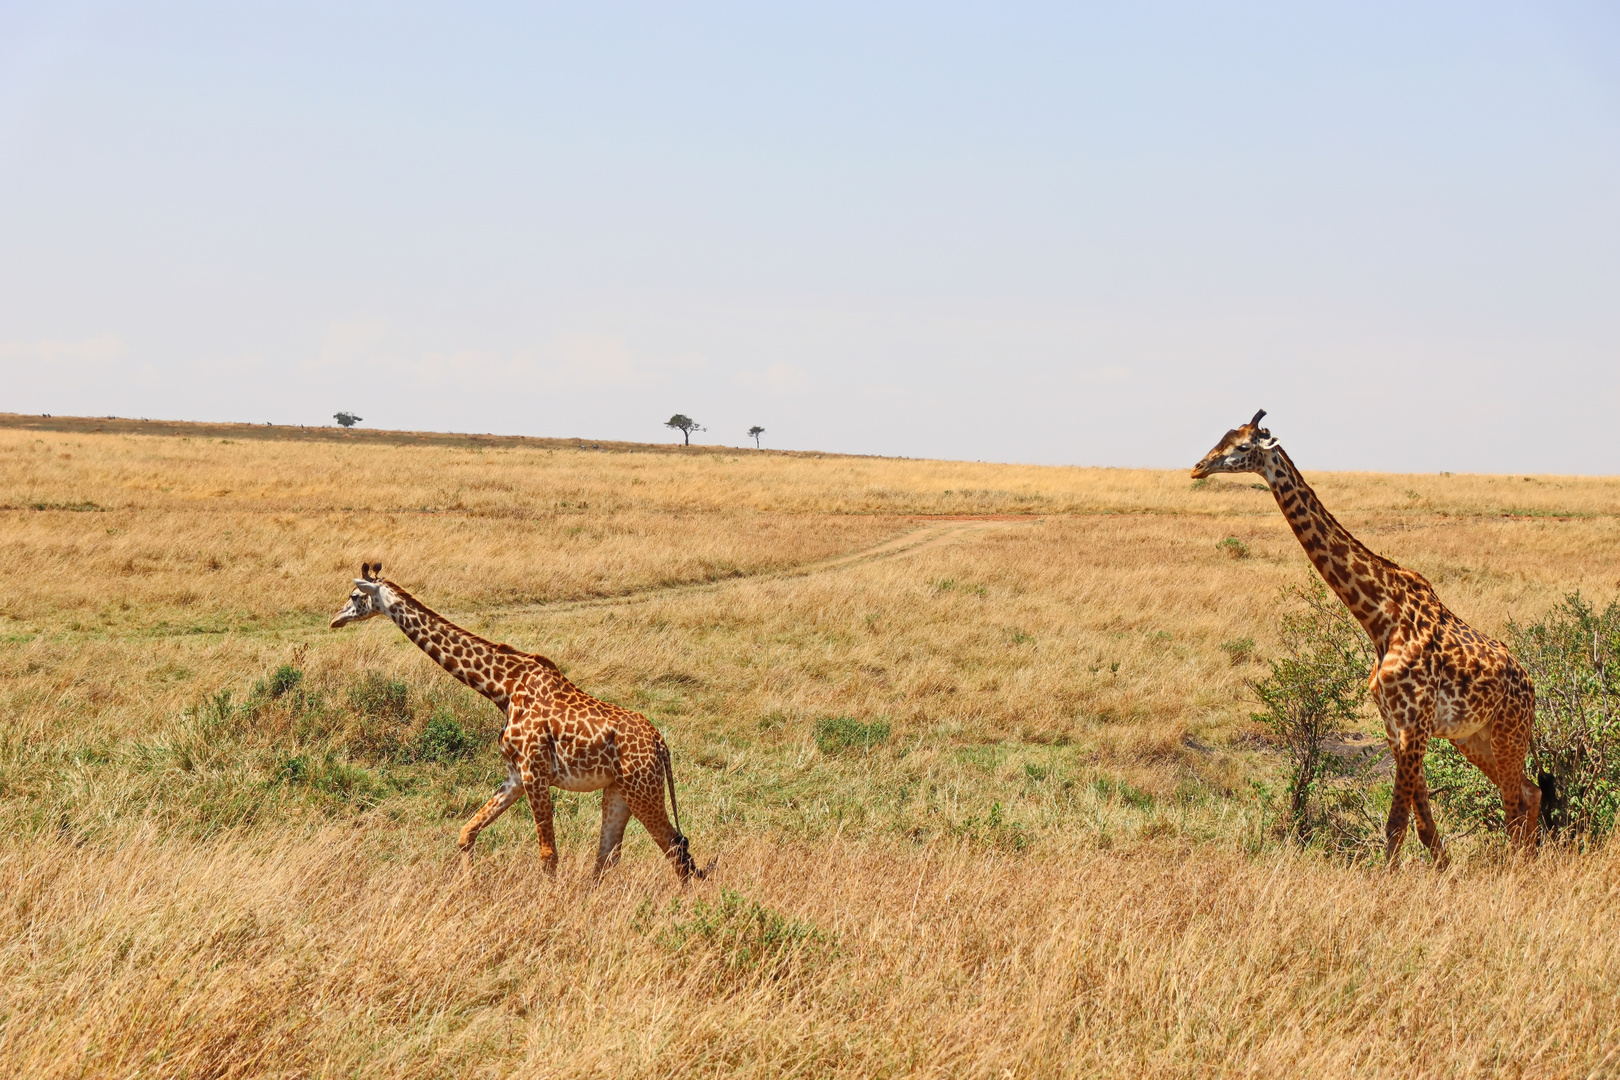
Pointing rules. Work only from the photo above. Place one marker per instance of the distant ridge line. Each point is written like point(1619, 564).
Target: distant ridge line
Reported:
point(123, 425)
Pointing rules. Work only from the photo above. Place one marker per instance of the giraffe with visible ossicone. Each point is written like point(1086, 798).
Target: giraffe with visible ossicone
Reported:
point(555, 734)
point(1436, 676)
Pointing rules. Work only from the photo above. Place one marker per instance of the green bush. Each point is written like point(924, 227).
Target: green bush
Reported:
point(995, 829)
point(443, 740)
point(282, 681)
point(1573, 656)
point(292, 768)
point(1108, 789)
point(1468, 799)
point(338, 780)
point(218, 709)
point(285, 691)
point(836, 734)
point(1317, 687)
point(381, 698)
point(384, 707)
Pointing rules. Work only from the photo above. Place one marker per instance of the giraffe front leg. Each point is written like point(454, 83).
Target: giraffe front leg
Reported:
point(507, 794)
point(539, 791)
point(1408, 772)
point(1427, 831)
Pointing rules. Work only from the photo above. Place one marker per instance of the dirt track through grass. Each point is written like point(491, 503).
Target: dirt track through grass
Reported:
point(914, 542)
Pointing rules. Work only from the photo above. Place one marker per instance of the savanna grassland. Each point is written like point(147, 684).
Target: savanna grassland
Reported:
point(973, 743)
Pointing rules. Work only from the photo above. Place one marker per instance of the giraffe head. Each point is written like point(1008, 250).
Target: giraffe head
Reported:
point(1241, 450)
point(366, 599)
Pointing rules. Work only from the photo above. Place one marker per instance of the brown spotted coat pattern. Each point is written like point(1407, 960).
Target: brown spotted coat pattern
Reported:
point(1436, 677)
point(555, 734)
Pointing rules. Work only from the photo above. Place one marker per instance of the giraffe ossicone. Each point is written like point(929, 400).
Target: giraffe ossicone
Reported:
point(555, 734)
point(1436, 676)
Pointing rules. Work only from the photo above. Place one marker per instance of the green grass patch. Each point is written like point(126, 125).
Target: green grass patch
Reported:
point(842, 734)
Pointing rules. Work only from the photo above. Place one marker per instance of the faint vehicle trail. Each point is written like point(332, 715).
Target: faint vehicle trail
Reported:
point(929, 535)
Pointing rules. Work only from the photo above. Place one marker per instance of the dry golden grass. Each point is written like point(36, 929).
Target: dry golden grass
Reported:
point(1056, 863)
point(360, 952)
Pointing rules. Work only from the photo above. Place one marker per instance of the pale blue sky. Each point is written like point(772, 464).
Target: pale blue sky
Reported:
point(1097, 234)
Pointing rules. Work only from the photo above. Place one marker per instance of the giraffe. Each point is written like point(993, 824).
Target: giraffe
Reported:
point(555, 734)
point(1436, 676)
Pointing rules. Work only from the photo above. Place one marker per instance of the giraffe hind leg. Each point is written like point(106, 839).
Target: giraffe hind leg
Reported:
point(1521, 800)
point(1521, 797)
point(615, 816)
point(650, 812)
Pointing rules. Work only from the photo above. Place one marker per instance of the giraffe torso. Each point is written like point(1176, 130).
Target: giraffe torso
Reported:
point(1439, 677)
point(575, 741)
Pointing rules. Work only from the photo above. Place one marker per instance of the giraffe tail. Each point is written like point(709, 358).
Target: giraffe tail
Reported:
point(687, 865)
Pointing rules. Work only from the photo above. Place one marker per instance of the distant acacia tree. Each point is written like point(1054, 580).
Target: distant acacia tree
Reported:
point(685, 425)
point(347, 419)
point(756, 431)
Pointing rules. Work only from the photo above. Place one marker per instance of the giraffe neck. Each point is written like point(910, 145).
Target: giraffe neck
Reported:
point(1367, 583)
point(473, 660)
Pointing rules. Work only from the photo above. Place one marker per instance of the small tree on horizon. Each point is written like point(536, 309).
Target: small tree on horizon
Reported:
point(685, 425)
point(756, 431)
point(347, 419)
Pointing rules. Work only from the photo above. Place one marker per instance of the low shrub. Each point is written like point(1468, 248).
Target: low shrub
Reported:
point(381, 698)
point(282, 681)
point(995, 829)
point(385, 716)
point(443, 740)
point(1316, 688)
point(1573, 656)
point(1110, 790)
point(338, 780)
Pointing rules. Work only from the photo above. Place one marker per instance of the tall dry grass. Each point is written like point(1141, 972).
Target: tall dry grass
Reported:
point(361, 952)
point(1050, 851)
